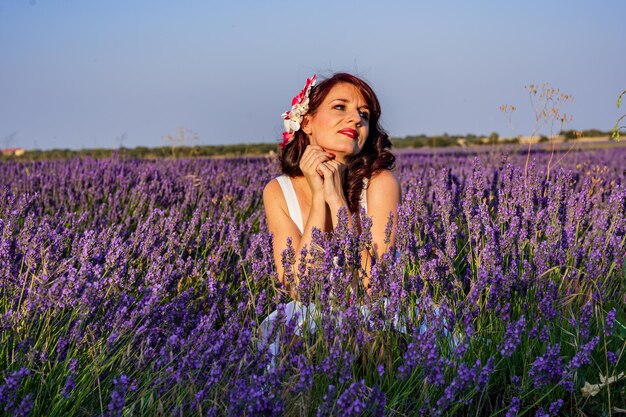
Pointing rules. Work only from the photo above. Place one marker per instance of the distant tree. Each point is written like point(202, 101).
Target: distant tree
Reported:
point(569, 134)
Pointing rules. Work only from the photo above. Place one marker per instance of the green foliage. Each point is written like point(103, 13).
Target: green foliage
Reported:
point(590, 133)
point(149, 153)
point(445, 140)
point(259, 149)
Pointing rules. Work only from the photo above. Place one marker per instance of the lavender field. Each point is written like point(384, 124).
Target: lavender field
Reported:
point(137, 287)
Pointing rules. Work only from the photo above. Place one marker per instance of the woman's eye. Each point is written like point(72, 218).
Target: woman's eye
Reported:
point(340, 107)
point(365, 115)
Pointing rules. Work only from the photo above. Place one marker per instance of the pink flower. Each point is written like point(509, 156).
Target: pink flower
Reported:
point(299, 107)
point(287, 138)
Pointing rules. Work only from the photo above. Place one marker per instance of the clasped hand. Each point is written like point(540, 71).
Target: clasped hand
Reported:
point(324, 174)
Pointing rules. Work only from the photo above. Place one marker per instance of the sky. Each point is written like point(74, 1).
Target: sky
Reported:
point(103, 74)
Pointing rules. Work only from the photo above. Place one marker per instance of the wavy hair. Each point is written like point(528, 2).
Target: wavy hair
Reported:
point(375, 155)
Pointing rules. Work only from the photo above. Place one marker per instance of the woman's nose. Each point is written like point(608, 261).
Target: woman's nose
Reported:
point(355, 117)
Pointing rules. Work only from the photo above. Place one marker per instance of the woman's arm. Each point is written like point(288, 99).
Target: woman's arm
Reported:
point(383, 197)
point(333, 173)
point(282, 227)
point(279, 222)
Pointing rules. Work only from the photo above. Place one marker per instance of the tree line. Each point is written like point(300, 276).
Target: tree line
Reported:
point(259, 149)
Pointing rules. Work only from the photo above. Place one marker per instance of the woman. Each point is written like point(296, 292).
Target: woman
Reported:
point(334, 155)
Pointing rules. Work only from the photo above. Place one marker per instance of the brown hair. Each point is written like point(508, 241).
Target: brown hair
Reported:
point(375, 155)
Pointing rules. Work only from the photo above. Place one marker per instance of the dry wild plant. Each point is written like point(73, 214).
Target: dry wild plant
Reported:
point(546, 102)
point(617, 129)
point(184, 137)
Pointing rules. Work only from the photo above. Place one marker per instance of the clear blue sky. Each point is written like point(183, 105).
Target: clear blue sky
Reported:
point(83, 74)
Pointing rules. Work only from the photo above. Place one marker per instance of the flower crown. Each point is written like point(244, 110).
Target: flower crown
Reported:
point(299, 107)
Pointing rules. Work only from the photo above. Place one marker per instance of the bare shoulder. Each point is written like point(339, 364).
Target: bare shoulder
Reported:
point(384, 183)
point(271, 190)
point(383, 194)
point(273, 195)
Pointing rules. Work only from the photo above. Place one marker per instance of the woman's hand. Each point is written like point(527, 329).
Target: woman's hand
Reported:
point(334, 173)
point(312, 158)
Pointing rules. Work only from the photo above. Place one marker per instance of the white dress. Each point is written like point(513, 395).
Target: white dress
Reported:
point(292, 200)
point(295, 309)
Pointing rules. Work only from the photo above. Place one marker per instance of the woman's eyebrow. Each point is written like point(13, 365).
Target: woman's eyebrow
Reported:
point(344, 100)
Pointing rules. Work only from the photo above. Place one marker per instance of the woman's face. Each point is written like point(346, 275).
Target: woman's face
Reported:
point(341, 123)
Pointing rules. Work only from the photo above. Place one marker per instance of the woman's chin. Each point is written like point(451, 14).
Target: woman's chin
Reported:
point(341, 156)
point(344, 150)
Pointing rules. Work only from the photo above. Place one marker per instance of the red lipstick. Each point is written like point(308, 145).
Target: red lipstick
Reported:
point(351, 133)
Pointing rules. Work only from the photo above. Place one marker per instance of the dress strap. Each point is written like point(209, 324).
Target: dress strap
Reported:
point(363, 201)
point(292, 201)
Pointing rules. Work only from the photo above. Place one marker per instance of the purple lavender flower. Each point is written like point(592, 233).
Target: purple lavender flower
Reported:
point(377, 402)
point(26, 405)
point(118, 396)
point(583, 356)
point(555, 407)
point(9, 389)
point(353, 401)
point(380, 368)
point(69, 386)
point(611, 357)
point(584, 320)
point(609, 321)
point(326, 407)
point(482, 380)
point(305, 370)
point(170, 259)
point(548, 368)
point(512, 337)
point(514, 407)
